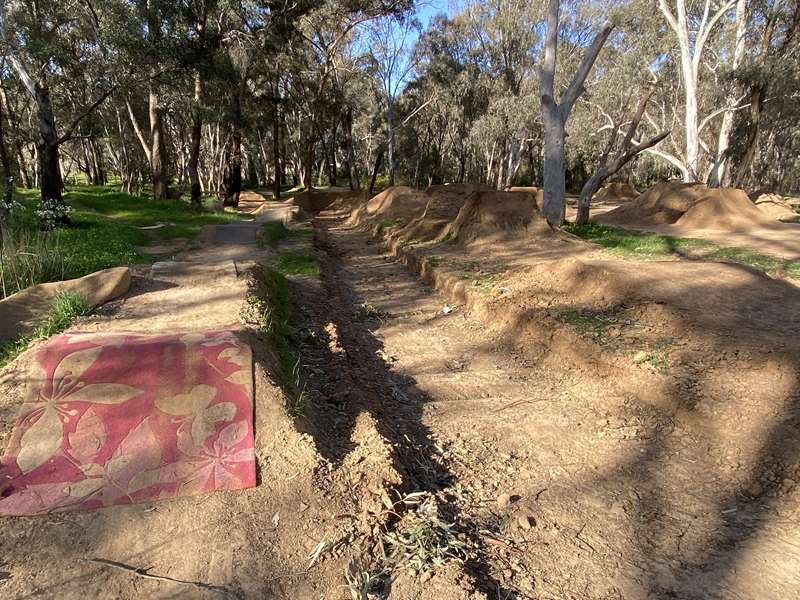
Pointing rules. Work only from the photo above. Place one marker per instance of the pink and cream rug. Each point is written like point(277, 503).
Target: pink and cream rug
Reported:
point(121, 418)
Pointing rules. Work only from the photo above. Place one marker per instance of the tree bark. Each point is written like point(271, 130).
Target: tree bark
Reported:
point(196, 135)
point(276, 147)
point(352, 171)
point(233, 181)
point(158, 148)
point(554, 205)
point(378, 163)
point(7, 183)
point(555, 115)
point(720, 172)
point(390, 140)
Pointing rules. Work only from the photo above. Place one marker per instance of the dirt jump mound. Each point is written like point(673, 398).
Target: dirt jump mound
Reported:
point(689, 206)
point(725, 209)
point(489, 217)
point(616, 192)
point(536, 193)
point(662, 204)
point(318, 200)
point(464, 213)
point(774, 206)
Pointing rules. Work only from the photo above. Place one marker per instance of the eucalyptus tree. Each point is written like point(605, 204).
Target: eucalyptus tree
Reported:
point(392, 63)
point(52, 45)
point(555, 113)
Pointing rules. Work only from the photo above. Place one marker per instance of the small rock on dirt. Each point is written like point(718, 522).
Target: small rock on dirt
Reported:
point(504, 500)
point(525, 522)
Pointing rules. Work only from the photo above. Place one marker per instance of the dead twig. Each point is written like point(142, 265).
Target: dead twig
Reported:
point(145, 573)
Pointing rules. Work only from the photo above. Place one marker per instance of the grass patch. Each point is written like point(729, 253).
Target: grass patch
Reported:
point(388, 223)
point(66, 307)
point(104, 232)
point(651, 246)
point(657, 357)
point(91, 243)
point(271, 307)
point(272, 233)
point(297, 263)
point(178, 216)
point(592, 324)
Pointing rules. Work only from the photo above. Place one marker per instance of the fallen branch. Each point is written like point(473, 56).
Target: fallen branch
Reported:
point(145, 573)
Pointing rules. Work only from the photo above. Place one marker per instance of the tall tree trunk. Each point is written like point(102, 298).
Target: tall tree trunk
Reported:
point(378, 163)
point(311, 141)
point(720, 172)
point(390, 140)
point(158, 148)
point(276, 146)
point(7, 173)
point(252, 172)
point(756, 106)
point(555, 115)
point(352, 171)
point(196, 135)
point(554, 181)
point(49, 160)
point(233, 182)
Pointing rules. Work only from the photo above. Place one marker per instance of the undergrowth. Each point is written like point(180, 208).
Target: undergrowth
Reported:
point(296, 263)
point(421, 540)
point(273, 233)
point(651, 246)
point(66, 307)
point(388, 223)
point(271, 307)
point(104, 232)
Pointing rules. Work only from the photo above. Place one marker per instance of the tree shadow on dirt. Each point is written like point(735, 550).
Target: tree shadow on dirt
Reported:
point(738, 509)
point(349, 375)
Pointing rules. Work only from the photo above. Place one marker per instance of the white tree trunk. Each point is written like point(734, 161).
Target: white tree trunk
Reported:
point(691, 55)
point(719, 172)
point(555, 114)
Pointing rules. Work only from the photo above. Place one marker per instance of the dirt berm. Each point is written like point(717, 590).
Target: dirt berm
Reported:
point(616, 192)
point(324, 199)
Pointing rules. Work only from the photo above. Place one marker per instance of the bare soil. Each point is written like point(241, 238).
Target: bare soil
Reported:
point(564, 425)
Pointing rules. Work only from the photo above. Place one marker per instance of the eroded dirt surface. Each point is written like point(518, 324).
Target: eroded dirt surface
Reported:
point(546, 483)
point(565, 488)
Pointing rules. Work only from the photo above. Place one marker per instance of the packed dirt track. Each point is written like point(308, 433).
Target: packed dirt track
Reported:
point(492, 409)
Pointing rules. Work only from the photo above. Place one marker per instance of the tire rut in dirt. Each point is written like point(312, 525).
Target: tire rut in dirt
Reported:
point(367, 418)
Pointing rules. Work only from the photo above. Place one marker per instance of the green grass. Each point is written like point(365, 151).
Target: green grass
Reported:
point(180, 219)
point(592, 324)
point(91, 243)
point(297, 263)
point(272, 233)
point(273, 308)
point(66, 307)
point(388, 223)
point(651, 246)
point(104, 232)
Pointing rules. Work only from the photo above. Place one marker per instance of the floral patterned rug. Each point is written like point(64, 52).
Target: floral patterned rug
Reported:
point(122, 418)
